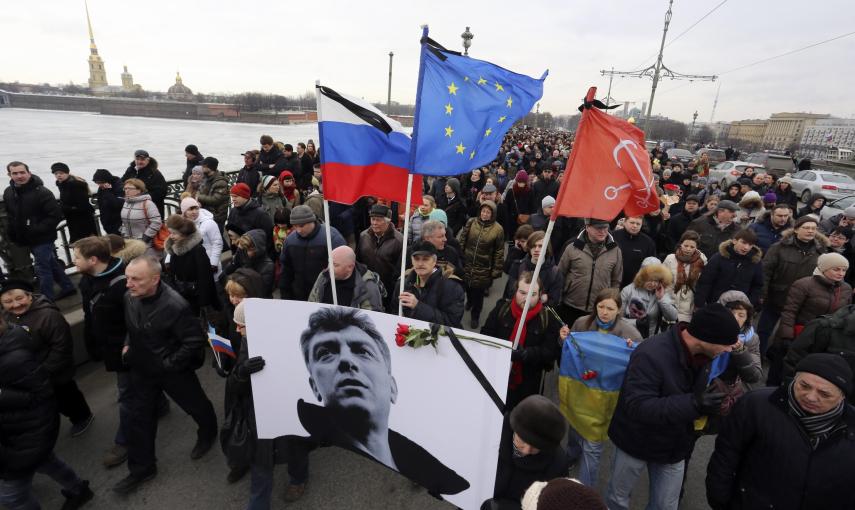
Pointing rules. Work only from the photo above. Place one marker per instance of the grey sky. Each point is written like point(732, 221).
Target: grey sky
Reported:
point(282, 47)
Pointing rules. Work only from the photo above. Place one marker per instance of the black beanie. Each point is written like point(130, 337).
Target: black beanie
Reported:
point(831, 367)
point(539, 422)
point(714, 324)
point(561, 494)
point(102, 175)
point(60, 167)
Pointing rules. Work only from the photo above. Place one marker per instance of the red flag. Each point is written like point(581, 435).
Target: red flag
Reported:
point(609, 169)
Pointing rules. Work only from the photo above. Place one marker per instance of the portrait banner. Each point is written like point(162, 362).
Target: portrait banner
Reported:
point(386, 387)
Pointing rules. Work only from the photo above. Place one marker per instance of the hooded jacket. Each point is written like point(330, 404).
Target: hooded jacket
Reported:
point(810, 297)
point(366, 289)
point(212, 238)
point(33, 213)
point(303, 259)
point(483, 244)
point(381, 254)
point(787, 261)
point(586, 275)
point(155, 184)
point(640, 306)
point(751, 209)
point(440, 300)
point(190, 269)
point(103, 300)
point(29, 421)
point(808, 209)
point(260, 262)
point(728, 270)
point(110, 203)
point(213, 195)
point(767, 233)
point(51, 337)
point(132, 249)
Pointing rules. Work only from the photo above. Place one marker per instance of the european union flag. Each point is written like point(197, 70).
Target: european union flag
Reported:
point(463, 110)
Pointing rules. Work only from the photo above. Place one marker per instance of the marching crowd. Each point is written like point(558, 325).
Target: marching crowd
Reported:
point(710, 289)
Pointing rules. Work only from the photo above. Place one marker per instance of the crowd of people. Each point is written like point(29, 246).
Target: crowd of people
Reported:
point(707, 290)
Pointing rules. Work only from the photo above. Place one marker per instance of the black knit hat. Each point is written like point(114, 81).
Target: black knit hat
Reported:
point(102, 175)
point(15, 283)
point(561, 494)
point(714, 324)
point(831, 367)
point(539, 422)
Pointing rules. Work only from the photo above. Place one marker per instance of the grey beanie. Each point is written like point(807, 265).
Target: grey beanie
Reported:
point(302, 214)
point(849, 212)
point(454, 184)
point(547, 201)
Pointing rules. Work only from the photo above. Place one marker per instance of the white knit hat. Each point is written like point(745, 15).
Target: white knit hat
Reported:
point(187, 203)
point(240, 316)
point(828, 261)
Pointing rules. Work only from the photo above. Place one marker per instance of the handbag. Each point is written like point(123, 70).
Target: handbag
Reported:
point(159, 240)
point(236, 436)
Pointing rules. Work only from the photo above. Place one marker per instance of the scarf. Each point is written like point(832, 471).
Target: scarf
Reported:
point(818, 427)
point(289, 192)
point(516, 312)
point(604, 327)
point(695, 267)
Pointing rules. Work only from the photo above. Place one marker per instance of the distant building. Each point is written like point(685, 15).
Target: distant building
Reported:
point(128, 81)
point(97, 73)
point(784, 130)
point(747, 134)
point(179, 91)
point(826, 134)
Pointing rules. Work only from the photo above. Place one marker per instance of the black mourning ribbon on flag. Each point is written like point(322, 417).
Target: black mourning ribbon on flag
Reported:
point(479, 375)
point(363, 113)
point(596, 103)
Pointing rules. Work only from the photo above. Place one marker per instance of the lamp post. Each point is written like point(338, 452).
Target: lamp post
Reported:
point(389, 94)
point(694, 118)
point(467, 40)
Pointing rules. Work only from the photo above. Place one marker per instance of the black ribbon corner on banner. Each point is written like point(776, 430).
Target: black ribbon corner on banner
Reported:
point(473, 367)
point(596, 103)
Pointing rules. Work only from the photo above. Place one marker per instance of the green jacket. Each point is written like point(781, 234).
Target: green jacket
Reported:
point(213, 195)
point(483, 244)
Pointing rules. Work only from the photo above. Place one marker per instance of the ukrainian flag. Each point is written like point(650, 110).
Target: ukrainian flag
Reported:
point(588, 401)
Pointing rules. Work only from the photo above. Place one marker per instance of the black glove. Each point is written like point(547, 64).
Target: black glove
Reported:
point(250, 366)
point(709, 402)
point(146, 239)
point(519, 355)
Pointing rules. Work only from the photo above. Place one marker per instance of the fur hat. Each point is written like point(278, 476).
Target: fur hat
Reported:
point(561, 494)
point(539, 422)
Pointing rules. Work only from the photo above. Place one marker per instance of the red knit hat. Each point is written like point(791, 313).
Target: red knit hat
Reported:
point(241, 189)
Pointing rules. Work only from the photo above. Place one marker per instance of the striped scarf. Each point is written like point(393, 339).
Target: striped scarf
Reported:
point(818, 427)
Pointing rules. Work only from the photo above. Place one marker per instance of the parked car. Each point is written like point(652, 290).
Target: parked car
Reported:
point(715, 155)
point(681, 156)
point(836, 207)
point(832, 185)
point(729, 171)
point(776, 164)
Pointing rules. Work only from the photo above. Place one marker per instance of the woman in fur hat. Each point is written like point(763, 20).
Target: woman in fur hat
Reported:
point(649, 299)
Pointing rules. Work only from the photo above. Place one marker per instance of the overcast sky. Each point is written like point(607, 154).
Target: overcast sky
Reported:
point(282, 47)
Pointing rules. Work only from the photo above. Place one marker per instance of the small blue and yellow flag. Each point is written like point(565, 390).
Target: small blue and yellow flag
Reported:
point(464, 107)
point(591, 372)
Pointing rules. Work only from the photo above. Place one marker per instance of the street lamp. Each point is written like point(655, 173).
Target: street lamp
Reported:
point(389, 95)
point(467, 40)
point(694, 118)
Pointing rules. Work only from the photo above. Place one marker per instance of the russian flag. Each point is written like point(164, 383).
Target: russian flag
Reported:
point(363, 152)
point(220, 344)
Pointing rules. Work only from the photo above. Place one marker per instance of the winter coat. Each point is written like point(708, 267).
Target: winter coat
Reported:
point(549, 275)
point(684, 298)
point(829, 224)
point(155, 184)
point(140, 218)
point(267, 161)
point(272, 202)
point(518, 204)
point(784, 263)
point(834, 334)
point(676, 226)
point(33, 213)
point(29, 421)
point(416, 222)
point(366, 289)
point(750, 210)
point(455, 210)
point(163, 334)
point(260, 263)
point(213, 195)
point(191, 273)
point(633, 249)
point(585, 275)
point(78, 211)
point(50, 336)
point(768, 234)
point(640, 306)
point(654, 417)
point(483, 244)
point(440, 300)
point(711, 235)
point(810, 297)
point(250, 216)
point(303, 259)
point(381, 254)
point(212, 239)
point(132, 249)
point(110, 202)
point(621, 328)
point(763, 459)
point(103, 300)
point(727, 270)
point(251, 176)
point(541, 349)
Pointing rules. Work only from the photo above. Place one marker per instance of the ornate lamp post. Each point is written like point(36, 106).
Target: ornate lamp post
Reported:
point(694, 118)
point(467, 40)
point(389, 95)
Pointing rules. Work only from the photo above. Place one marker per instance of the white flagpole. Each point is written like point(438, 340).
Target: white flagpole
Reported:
point(406, 233)
point(534, 280)
point(326, 203)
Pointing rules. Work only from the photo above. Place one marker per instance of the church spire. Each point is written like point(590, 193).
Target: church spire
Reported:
point(92, 46)
point(97, 73)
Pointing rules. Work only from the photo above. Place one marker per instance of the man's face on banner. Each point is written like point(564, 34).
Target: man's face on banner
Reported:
point(348, 371)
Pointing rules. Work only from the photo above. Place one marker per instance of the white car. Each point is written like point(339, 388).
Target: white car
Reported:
point(836, 207)
point(729, 171)
point(832, 185)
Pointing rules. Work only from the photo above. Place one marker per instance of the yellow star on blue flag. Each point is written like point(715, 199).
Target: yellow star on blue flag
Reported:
point(460, 123)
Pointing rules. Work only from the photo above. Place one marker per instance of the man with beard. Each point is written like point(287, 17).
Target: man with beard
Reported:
point(350, 373)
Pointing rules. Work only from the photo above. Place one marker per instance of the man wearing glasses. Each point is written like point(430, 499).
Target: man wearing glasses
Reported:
point(144, 168)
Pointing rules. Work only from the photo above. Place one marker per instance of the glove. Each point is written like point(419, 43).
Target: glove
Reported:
point(146, 239)
point(709, 402)
point(250, 366)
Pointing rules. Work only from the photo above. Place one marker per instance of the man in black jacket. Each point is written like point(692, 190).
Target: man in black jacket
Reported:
point(635, 246)
point(250, 174)
point(679, 223)
point(164, 347)
point(111, 198)
point(144, 168)
point(430, 294)
point(716, 228)
point(246, 214)
point(790, 447)
point(664, 391)
point(33, 214)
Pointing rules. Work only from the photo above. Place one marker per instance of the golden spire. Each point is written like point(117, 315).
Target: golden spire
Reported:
point(91, 35)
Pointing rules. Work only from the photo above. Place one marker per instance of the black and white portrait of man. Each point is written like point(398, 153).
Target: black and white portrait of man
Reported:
point(350, 374)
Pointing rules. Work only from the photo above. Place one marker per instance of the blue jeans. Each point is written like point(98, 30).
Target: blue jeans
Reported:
point(48, 269)
point(17, 494)
point(665, 482)
point(260, 488)
point(590, 453)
